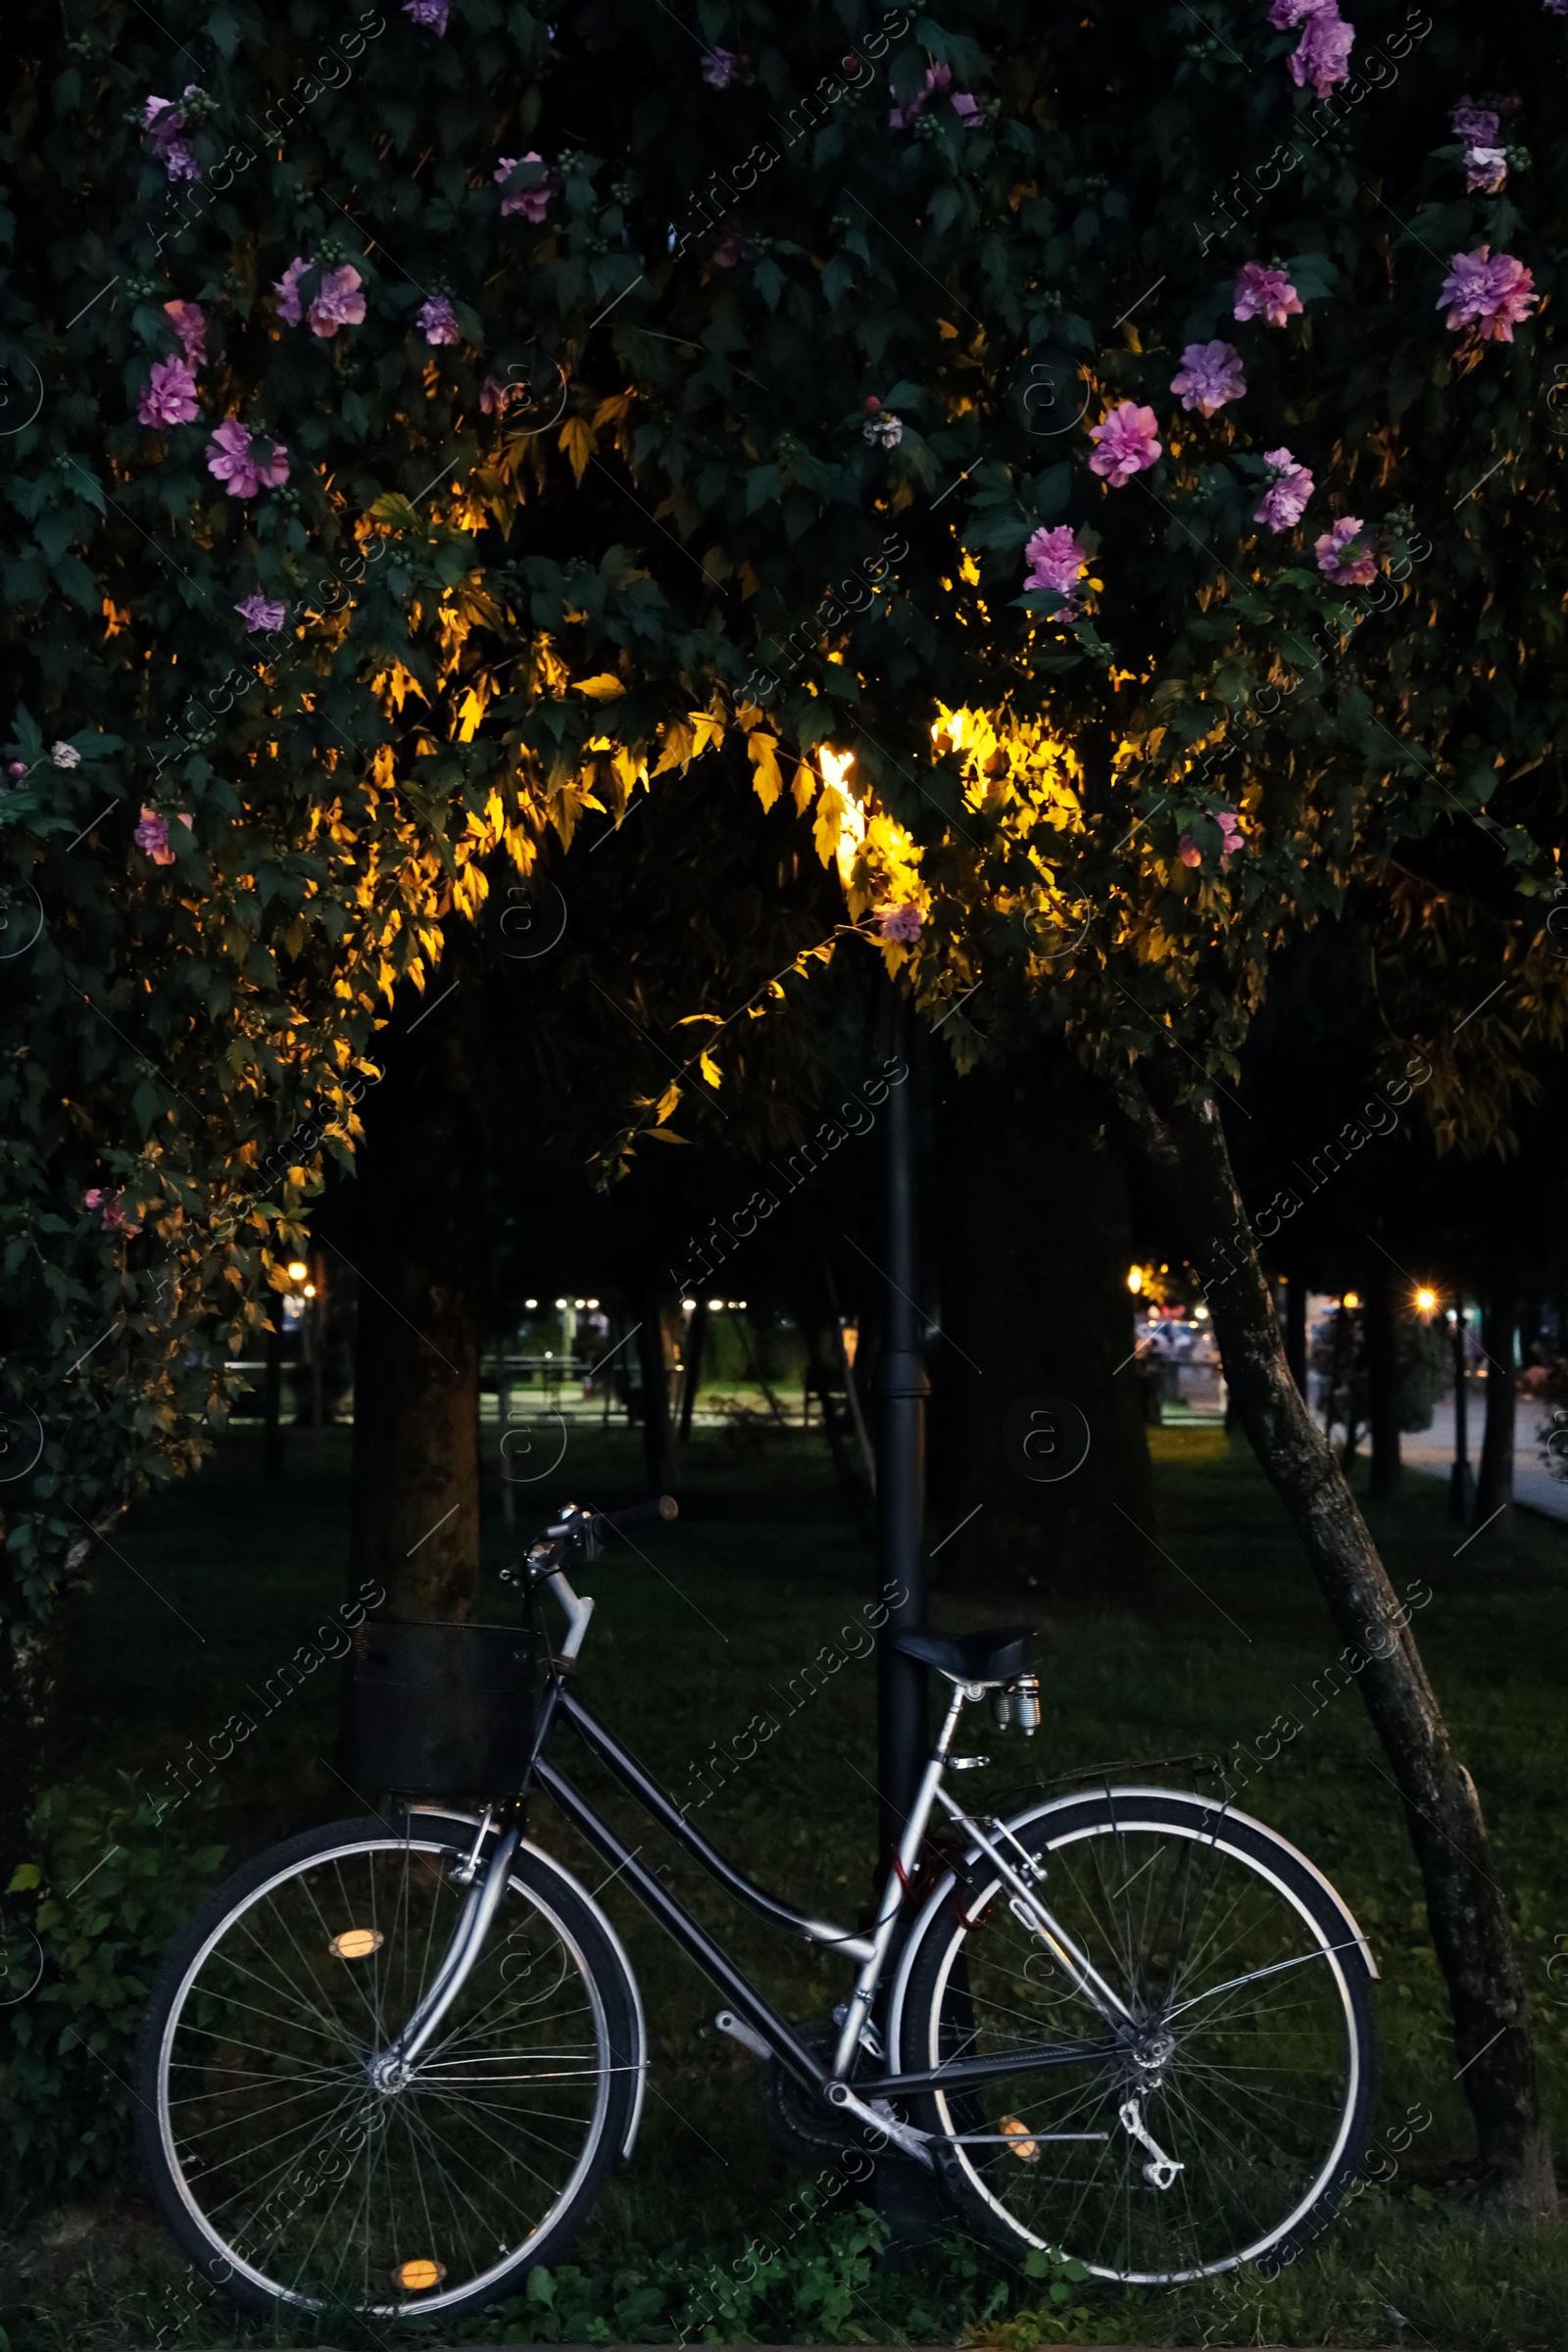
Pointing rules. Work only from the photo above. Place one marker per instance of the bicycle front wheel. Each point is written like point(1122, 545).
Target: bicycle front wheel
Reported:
point(289, 2175)
point(1196, 2111)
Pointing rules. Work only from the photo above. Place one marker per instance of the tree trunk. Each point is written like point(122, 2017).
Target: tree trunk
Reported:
point(692, 1368)
point(1498, 1312)
point(420, 1233)
point(1383, 1382)
point(1031, 1220)
point(1466, 1907)
point(656, 1459)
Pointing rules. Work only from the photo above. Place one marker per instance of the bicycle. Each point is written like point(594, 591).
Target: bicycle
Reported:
point(390, 2065)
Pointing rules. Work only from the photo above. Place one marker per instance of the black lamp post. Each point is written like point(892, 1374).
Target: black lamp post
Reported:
point(901, 1390)
point(1461, 1480)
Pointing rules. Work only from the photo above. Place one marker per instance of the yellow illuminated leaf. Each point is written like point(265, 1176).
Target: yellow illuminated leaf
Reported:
point(668, 1101)
point(577, 440)
point(769, 783)
point(710, 1068)
point(601, 687)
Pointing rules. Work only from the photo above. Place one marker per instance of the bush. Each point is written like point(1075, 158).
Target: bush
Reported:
point(109, 1889)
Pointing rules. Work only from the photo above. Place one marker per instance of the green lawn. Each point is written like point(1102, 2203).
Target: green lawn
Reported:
point(211, 1588)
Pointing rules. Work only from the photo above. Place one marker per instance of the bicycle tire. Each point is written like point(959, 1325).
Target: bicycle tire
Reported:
point(262, 2021)
point(1265, 2148)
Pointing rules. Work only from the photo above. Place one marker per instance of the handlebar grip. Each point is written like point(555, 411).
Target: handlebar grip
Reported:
point(661, 1507)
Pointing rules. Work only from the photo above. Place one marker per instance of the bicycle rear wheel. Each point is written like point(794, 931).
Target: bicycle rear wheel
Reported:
point(286, 2174)
point(1248, 2051)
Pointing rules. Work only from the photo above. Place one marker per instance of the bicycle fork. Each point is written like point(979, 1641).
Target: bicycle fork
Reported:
point(392, 2067)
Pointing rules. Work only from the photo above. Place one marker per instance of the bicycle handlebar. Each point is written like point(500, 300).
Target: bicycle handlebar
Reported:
point(587, 1530)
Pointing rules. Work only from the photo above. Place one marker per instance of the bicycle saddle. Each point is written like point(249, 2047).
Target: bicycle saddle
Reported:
point(995, 1654)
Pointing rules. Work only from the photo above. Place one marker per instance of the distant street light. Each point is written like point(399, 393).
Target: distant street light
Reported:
point(1135, 1279)
point(1425, 1301)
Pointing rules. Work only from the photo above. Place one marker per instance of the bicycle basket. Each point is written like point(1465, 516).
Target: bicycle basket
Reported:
point(444, 1710)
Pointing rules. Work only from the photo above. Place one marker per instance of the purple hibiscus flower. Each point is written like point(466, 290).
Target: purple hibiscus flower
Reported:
point(1056, 561)
point(240, 460)
point(1127, 443)
point(438, 320)
point(1344, 557)
point(721, 67)
point(340, 302)
point(170, 395)
point(167, 127)
point(1489, 292)
point(532, 203)
point(1284, 502)
point(1210, 375)
point(189, 322)
point(1264, 293)
point(432, 14)
point(899, 923)
point(257, 611)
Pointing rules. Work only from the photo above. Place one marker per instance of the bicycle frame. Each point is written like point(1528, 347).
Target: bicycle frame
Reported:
point(845, 2086)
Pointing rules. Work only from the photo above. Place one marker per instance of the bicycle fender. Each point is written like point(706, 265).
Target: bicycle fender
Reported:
point(606, 1926)
point(947, 1885)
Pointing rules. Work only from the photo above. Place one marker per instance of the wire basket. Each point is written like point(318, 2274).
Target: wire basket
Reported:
point(444, 1710)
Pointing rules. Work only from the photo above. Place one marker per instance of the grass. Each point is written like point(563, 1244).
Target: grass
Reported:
point(210, 1590)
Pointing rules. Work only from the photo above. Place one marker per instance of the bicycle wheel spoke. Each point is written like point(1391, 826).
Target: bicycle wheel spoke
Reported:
point(322, 2172)
point(1239, 2063)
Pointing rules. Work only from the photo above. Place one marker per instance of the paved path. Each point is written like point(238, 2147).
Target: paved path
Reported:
point(1432, 1450)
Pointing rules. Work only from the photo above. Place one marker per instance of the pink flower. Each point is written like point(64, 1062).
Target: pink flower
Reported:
point(340, 302)
point(239, 462)
point(1210, 375)
point(151, 836)
point(438, 320)
point(1344, 558)
point(900, 924)
point(1485, 170)
point(1056, 560)
point(167, 127)
point(189, 322)
point(1232, 839)
point(533, 202)
point(170, 397)
point(257, 613)
point(1286, 14)
point(429, 13)
point(1285, 500)
point(107, 1207)
point(1265, 294)
point(1127, 443)
point(1491, 292)
point(721, 67)
point(1322, 55)
point(971, 113)
point(1476, 125)
point(732, 249)
point(287, 290)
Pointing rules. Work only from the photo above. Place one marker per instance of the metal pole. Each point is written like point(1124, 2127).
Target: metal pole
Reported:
point(1461, 1484)
point(901, 1390)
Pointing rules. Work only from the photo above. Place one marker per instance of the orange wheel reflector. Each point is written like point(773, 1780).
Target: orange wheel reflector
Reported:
point(355, 1944)
point(1018, 2140)
point(416, 2275)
